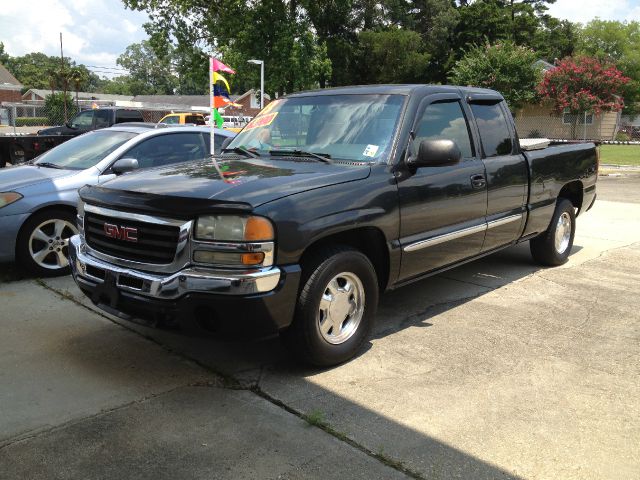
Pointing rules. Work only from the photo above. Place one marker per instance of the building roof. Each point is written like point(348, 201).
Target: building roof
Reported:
point(8, 80)
point(190, 100)
point(544, 65)
point(108, 97)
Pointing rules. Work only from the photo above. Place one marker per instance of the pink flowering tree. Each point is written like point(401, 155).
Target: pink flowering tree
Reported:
point(583, 85)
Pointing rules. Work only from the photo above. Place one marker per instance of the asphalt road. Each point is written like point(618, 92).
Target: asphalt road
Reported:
point(620, 187)
point(497, 369)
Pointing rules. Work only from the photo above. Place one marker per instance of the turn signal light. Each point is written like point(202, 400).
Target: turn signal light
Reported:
point(255, 258)
point(258, 229)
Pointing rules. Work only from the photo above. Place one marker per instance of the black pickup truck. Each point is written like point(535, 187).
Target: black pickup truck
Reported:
point(325, 200)
point(19, 148)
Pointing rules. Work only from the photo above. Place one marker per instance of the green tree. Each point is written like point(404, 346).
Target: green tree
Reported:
point(392, 56)
point(505, 67)
point(149, 73)
point(56, 106)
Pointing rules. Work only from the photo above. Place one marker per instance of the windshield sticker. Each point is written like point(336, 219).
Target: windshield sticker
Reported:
point(370, 151)
point(261, 121)
point(269, 107)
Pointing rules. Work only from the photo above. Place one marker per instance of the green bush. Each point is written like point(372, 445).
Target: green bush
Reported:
point(54, 106)
point(622, 137)
point(30, 121)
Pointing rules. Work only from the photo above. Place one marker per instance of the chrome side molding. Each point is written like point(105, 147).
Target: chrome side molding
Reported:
point(430, 242)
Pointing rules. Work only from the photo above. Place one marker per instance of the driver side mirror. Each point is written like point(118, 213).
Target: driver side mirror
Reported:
point(435, 153)
point(124, 165)
point(226, 142)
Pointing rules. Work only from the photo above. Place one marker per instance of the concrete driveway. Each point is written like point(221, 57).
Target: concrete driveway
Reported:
point(497, 369)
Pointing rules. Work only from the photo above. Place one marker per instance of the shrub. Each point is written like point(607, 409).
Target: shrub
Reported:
point(31, 121)
point(54, 106)
point(622, 137)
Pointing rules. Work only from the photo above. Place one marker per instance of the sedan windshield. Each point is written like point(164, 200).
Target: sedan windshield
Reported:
point(349, 127)
point(84, 151)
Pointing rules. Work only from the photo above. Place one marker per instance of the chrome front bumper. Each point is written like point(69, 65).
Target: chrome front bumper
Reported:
point(169, 286)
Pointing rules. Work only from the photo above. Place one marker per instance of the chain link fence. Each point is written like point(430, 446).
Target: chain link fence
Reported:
point(30, 116)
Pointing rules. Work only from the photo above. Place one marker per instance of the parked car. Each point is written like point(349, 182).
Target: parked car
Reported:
point(18, 148)
point(38, 201)
point(325, 200)
point(183, 119)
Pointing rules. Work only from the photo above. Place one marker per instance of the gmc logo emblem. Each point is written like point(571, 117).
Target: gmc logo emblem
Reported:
point(128, 234)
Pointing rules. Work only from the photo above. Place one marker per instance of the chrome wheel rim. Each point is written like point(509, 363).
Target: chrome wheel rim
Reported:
point(341, 308)
point(563, 233)
point(49, 243)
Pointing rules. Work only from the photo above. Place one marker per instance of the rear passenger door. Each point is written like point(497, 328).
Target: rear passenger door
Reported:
point(442, 208)
point(506, 169)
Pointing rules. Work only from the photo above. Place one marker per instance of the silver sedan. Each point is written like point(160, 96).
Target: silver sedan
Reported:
point(38, 201)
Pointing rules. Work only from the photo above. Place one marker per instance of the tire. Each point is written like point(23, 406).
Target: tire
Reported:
point(336, 307)
point(42, 245)
point(552, 248)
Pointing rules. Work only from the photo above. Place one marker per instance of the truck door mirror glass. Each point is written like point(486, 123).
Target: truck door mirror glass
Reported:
point(435, 153)
point(124, 165)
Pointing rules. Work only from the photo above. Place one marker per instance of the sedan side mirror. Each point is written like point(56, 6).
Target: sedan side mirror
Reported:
point(226, 142)
point(124, 165)
point(435, 153)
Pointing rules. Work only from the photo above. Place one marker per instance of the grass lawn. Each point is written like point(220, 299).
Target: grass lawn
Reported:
point(620, 154)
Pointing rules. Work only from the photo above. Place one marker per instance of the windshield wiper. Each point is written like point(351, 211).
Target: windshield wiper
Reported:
point(243, 151)
point(48, 165)
point(301, 153)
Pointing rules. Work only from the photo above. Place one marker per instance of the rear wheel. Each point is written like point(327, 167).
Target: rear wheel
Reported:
point(43, 243)
point(336, 308)
point(553, 247)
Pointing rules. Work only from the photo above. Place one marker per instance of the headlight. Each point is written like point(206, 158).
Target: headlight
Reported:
point(232, 228)
point(7, 198)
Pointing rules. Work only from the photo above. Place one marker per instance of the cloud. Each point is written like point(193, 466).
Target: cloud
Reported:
point(94, 32)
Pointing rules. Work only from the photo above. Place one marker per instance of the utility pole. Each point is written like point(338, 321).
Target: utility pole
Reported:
point(64, 82)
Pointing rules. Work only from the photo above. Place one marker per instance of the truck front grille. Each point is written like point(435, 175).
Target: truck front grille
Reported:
point(131, 240)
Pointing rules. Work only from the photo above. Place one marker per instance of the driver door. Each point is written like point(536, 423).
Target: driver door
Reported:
point(442, 209)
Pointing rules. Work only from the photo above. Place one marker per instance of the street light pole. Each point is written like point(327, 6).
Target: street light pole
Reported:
point(261, 63)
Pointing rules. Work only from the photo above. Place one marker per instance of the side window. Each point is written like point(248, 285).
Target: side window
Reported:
point(218, 140)
point(168, 149)
point(171, 120)
point(494, 130)
point(445, 121)
point(83, 120)
point(102, 118)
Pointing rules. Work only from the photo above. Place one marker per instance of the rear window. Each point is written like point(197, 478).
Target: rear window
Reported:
point(195, 119)
point(494, 130)
point(128, 116)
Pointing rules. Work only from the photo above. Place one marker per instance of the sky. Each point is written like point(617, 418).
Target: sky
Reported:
point(584, 10)
point(96, 32)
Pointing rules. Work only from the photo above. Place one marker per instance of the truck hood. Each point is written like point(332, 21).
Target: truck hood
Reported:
point(248, 182)
point(12, 179)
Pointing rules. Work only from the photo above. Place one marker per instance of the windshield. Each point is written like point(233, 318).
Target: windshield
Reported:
point(349, 127)
point(86, 150)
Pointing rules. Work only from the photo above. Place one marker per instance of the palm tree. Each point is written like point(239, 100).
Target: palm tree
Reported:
point(79, 77)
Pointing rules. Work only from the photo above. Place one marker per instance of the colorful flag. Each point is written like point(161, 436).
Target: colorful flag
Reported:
point(218, 66)
point(219, 78)
point(217, 118)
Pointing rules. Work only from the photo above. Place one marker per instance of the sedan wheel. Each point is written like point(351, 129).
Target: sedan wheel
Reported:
point(43, 243)
point(49, 243)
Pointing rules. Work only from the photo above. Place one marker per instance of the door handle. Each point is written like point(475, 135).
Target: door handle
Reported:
point(478, 181)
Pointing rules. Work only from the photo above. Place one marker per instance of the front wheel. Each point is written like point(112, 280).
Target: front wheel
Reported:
point(553, 247)
point(336, 308)
point(43, 243)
